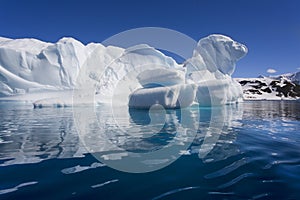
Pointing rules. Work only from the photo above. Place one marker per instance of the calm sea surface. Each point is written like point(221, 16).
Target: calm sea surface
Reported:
point(245, 151)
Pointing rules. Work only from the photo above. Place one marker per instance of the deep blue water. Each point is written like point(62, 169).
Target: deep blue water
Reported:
point(245, 151)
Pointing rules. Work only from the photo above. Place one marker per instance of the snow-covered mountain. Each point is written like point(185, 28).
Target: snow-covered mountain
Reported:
point(29, 67)
point(282, 87)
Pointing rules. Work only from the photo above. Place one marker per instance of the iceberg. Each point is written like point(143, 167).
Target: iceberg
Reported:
point(51, 102)
point(121, 77)
point(217, 53)
point(164, 87)
point(161, 77)
point(40, 72)
point(176, 96)
point(211, 66)
point(218, 90)
point(33, 66)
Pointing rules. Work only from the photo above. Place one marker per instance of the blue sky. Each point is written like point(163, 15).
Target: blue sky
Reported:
point(270, 29)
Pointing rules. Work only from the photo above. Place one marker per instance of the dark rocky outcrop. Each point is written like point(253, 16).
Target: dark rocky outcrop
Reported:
point(283, 86)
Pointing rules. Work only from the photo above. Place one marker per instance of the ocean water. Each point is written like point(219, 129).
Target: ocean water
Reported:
point(245, 151)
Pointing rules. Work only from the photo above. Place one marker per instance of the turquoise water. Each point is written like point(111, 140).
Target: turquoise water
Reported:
point(248, 151)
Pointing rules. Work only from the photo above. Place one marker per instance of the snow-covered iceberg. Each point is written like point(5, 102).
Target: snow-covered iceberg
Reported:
point(123, 75)
point(165, 87)
point(30, 65)
point(51, 102)
point(211, 67)
point(31, 69)
point(175, 96)
point(161, 77)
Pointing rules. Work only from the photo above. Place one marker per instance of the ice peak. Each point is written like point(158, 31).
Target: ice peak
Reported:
point(218, 53)
point(69, 40)
point(4, 39)
point(138, 48)
point(219, 37)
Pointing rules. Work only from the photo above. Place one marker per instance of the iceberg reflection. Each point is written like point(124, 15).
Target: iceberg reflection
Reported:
point(119, 137)
point(32, 135)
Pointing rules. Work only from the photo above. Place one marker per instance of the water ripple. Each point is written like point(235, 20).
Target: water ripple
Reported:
point(257, 158)
point(228, 169)
point(5, 191)
point(221, 193)
point(79, 168)
point(235, 180)
point(105, 183)
point(175, 191)
point(260, 196)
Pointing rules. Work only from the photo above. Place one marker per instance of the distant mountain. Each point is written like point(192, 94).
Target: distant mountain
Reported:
point(282, 87)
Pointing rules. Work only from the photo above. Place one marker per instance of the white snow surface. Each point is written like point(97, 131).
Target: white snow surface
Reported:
point(296, 77)
point(165, 87)
point(211, 67)
point(161, 77)
point(215, 93)
point(216, 53)
point(29, 67)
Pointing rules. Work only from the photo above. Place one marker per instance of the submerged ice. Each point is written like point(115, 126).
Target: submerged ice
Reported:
point(139, 76)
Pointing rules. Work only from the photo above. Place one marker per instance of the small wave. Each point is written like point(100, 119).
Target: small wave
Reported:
point(105, 183)
point(9, 190)
point(175, 191)
point(221, 193)
point(5, 142)
point(290, 162)
point(235, 180)
point(79, 168)
point(226, 170)
point(259, 196)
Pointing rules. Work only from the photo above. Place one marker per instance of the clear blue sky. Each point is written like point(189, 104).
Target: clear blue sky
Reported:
point(269, 28)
